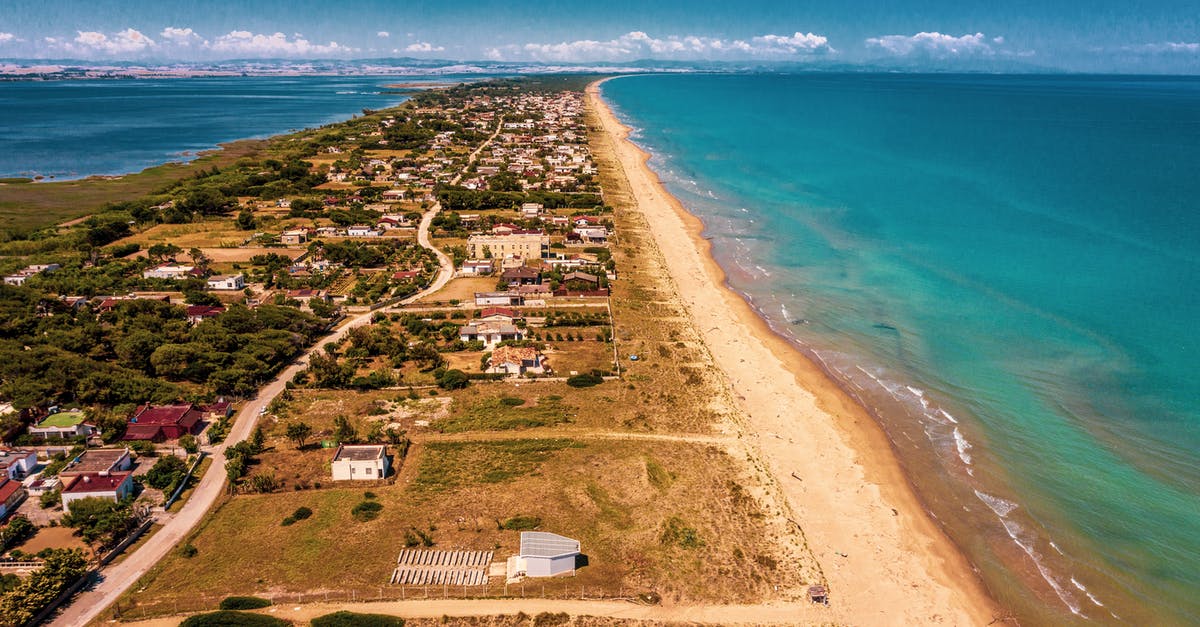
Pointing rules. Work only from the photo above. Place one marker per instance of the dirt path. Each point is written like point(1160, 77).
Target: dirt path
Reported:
point(767, 614)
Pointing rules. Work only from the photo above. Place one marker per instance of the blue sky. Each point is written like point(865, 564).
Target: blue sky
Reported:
point(1099, 35)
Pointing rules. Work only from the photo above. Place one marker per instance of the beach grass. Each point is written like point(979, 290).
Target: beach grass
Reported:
point(28, 206)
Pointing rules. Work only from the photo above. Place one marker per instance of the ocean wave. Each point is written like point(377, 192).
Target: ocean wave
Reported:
point(1091, 597)
point(1002, 508)
point(963, 446)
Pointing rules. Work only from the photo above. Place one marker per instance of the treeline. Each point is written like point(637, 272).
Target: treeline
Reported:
point(462, 199)
point(141, 351)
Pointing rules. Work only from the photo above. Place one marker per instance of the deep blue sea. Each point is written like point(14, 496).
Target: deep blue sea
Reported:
point(73, 129)
point(1006, 270)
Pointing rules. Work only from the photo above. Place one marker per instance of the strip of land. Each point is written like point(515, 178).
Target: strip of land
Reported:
point(885, 559)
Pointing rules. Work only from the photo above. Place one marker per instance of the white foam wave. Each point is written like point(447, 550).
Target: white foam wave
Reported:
point(947, 415)
point(1055, 547)
point(1002, 508)
point(1086, 592)
point(763, 270)
point(963, 446)
point(784, 311)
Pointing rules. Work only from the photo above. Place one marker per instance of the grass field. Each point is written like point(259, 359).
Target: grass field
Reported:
point(36, 205)
point(629, 503)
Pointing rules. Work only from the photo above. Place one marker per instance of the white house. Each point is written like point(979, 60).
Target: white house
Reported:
point(11, 495)
point(170, 271)
point(17, 464)
point(227, 282)
point(489, 332)
point(113, 486)
point(360, 462)
point(487, 299)
point(543, 555)
point(67, 425)
point(20, 277)
point(480, 267)
point(361, 230)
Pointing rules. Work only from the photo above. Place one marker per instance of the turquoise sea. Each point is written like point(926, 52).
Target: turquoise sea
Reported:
point(73, 129)
point(1006, 271)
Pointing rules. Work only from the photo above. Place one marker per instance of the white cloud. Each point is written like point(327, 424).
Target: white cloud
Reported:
point(179, 36)
point(128, 41)
point(246, 43)
point(637, 44)
point(384, 34)
point(6, 37)
point(1167, 47)
point(423, 46)
point(934, 44)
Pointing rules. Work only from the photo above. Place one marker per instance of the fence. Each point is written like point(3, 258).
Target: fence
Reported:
point(184, 484)
point(568, 588)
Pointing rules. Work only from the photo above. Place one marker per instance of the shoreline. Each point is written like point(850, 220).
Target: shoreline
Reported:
point(886, 559)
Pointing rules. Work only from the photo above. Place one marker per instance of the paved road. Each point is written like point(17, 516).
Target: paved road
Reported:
point(115, 580)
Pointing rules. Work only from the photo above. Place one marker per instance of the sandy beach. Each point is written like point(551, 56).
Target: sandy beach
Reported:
point(886, 561)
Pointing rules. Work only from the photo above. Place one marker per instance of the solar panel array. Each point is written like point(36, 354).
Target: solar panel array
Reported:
point(420, 567)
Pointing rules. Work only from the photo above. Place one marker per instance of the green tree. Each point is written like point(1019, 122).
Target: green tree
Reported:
point(166, 473)
point(189, 443)
point(206, 201)
point(62, 568)
point(257, 440)
point(246, 221)
point(163, 252)
point(453, 380)
point(100, 522)
point(343, 431)
point(298, 433)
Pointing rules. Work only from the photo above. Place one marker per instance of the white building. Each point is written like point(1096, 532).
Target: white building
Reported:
point(103, 485)
point(227, 282)
point(480, 267)
point(360, 462)
point(361, 230)
point(17, 464)
point(543, 555)
point(20, 277)
point(169, 271)
point(526, 244)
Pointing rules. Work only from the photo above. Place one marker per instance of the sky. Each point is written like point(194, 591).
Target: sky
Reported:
point(1090, 36)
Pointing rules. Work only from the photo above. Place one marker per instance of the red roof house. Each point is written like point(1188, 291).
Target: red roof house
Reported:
point(113, 486)
point(165, 422)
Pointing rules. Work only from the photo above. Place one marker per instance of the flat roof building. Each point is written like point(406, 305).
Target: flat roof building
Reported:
point(544, 554)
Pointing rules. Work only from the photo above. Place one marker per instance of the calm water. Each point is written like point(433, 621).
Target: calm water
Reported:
point(71, 129)
point(1007, 271)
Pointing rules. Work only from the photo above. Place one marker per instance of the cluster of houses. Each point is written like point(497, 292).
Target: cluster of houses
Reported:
point(19, 277)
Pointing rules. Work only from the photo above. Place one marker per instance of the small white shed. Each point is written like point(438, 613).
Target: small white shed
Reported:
point(360, 462)
point(547, 554)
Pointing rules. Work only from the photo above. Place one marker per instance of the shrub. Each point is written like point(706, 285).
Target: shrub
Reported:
point(354, 619)
point(244, 603)
point(453, 380)
point(521, 523)
point(302, 513)
point(512, 401)
point(369, 495)
point(288, 522)
point(226, 618)
point(188, 551)
point(675, 532)
point(584, 380)
point(366, 510)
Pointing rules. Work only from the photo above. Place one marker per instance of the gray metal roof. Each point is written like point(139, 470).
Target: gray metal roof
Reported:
point(544, 544)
